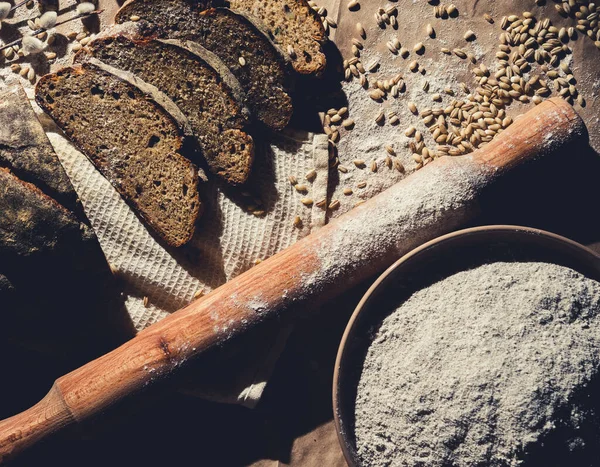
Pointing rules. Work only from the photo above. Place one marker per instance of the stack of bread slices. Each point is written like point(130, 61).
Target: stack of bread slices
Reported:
point(195, 74)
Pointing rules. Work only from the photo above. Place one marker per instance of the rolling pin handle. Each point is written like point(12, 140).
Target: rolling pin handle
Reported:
point(25, 429)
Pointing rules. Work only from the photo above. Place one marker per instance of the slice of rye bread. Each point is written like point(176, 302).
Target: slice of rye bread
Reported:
point(263, 77)
point(294, 25)
point(200, 85)
point(27, 152)
point(132, 141)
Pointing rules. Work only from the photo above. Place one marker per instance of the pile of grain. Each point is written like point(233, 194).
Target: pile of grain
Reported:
point(531, 62)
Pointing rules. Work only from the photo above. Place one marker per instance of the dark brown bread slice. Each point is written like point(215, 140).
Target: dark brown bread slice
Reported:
point(263, 76)
point(294, 25)
point(36, 232)
point(131, 140)
point(200, 85)
point(26, 151)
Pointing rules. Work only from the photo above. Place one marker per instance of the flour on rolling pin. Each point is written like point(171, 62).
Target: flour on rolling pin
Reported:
point(430, 203)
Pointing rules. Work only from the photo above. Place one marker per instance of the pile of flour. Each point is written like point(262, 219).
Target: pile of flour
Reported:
point(488, 367)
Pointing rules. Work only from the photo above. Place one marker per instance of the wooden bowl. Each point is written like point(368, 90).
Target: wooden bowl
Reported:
point(423, 266)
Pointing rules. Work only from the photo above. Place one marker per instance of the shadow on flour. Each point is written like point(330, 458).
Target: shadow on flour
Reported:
point(574, 440)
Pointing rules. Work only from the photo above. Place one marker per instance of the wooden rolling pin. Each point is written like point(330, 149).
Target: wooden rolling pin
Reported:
point(434, 200)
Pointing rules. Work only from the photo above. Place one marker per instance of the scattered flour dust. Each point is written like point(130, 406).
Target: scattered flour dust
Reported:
point(433, 201)
point(489, 367)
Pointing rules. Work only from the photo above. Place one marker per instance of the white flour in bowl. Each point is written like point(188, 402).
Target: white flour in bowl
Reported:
point(488, 367)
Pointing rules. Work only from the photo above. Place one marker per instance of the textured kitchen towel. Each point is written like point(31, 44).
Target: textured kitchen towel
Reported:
point(229, 241)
